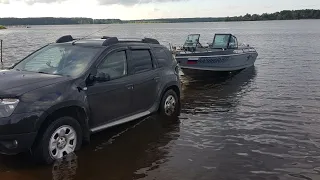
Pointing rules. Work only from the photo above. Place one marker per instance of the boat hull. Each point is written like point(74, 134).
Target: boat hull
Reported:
point(194, 64)
point(206, 73)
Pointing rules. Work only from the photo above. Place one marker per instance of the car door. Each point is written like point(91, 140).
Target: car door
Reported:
point(111, 100)
point(145, 78)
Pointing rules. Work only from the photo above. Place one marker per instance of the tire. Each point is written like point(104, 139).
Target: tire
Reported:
point(174, 111)
point(41, 151)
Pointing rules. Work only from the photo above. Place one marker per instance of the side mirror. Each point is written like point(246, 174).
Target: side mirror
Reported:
point(102, 77)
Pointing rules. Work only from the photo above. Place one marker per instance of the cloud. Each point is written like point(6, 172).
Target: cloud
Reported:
point(267, 7)
point(133, 2)
point(30, 2)
point(4, 2)
point(101, 2)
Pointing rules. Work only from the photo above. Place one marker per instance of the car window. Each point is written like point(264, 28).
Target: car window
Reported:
point(60, 59)
point(162, 57)
point(115, 65)
point(141, 61)
point(53, 56)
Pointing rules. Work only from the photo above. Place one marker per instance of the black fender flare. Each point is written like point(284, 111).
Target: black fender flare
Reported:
point(165, 88)
point(66, 104)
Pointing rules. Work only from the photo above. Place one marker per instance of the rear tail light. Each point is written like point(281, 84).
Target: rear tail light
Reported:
point(192, 62)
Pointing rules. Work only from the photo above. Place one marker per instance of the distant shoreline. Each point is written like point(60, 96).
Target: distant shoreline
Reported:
point(24, 26)
point(282, 15)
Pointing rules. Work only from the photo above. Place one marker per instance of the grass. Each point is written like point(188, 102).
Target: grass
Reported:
point(2, 27)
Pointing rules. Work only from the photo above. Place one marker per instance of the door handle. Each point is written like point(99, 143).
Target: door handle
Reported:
point(129, 86)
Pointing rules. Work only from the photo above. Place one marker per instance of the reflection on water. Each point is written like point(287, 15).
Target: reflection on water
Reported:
point(131, 151)
point(66, 168)
point(207, 94)
point(123, 152)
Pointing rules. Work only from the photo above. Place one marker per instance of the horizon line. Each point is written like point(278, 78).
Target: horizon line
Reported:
point(155, 18)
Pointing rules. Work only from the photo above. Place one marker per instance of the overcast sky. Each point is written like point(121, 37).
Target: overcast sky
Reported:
point(146, 9)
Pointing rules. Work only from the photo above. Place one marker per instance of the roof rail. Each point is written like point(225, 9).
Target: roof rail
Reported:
point(150, 40)
point(66, 38)
point(144, 40)
point(109, 40)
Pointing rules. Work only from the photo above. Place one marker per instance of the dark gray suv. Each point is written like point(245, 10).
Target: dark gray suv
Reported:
point(55, 98)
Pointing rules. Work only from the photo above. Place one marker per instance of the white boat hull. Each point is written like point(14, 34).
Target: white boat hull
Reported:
point(216, 63)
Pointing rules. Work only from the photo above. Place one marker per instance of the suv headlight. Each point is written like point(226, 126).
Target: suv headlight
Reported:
point(7, 107)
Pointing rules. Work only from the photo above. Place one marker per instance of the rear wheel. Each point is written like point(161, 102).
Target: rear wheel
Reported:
point(62, 137)
point(170, 104)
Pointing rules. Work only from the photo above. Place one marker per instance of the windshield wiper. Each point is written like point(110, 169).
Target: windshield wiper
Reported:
point(49, 73)
point(42, 72)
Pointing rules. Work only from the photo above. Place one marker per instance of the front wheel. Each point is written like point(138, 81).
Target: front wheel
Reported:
point(170, 104)
point(62, 137)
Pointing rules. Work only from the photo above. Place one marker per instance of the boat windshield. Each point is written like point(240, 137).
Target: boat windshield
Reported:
point(221, 41)
point(192, 40)
point(65, 60)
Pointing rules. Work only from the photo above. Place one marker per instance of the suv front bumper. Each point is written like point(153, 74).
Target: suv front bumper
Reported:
point(18, 132)
point(17, 143)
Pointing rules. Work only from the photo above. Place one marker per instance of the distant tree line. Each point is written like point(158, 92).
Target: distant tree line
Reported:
point(283, 15)
point(106, 21)
point(176, 20)
point(55, 21)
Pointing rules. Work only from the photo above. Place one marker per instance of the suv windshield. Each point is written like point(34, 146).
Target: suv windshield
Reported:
point(65, 60)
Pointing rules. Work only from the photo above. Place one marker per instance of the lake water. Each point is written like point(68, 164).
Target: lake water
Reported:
point(262, 123)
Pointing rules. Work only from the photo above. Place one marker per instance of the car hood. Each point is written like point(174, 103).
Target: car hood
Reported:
point(14, 83)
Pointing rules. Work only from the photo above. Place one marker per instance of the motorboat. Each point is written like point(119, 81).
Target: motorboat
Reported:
point(224, 54)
